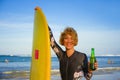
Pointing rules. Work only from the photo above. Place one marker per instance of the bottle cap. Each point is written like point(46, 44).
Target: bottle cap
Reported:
point(92, 48)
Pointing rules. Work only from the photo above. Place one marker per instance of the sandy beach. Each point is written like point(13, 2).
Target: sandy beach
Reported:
point(100, 74)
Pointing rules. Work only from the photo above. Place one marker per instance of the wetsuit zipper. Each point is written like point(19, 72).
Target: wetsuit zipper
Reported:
point(67, 69)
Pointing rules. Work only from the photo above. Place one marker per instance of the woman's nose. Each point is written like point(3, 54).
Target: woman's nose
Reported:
point(70, 40)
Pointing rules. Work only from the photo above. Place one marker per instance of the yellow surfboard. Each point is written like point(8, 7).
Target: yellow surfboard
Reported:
point(41, 57)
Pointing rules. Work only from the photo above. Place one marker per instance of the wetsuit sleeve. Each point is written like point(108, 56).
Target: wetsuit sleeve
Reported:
point(56, 48)
point(85, 68)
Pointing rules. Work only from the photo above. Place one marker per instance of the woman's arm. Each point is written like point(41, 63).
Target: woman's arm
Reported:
point(87, 74)
point(56, 48)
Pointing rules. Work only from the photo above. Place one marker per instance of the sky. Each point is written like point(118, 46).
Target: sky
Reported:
point(97, 23)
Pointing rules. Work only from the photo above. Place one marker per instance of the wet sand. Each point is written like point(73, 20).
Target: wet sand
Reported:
point(100, 74)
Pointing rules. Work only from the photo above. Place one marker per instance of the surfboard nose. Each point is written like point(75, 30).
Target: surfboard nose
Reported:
point(37, 8)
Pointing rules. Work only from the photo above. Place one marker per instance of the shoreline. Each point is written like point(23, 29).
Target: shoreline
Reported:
point(100, 74)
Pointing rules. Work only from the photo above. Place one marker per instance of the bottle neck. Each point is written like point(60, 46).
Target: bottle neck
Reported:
point(92, 52)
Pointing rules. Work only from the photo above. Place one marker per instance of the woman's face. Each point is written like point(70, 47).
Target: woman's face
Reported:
point(68, 42)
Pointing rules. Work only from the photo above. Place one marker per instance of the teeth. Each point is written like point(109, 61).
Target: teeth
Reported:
point(69, 44)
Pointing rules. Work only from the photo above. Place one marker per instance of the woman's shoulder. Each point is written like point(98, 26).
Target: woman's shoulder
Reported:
point(79, 53)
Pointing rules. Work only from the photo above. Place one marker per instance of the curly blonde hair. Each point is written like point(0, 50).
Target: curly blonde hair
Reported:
point(69, 31)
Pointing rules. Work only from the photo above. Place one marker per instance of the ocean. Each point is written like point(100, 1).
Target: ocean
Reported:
point(10, 63)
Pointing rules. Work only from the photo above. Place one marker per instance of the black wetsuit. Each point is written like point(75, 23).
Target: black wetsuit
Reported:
point(69, 65)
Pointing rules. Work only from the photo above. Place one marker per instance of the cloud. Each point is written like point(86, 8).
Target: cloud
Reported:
point(15, 25)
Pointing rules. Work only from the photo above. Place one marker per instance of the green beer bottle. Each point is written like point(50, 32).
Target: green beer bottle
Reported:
point(92, 59)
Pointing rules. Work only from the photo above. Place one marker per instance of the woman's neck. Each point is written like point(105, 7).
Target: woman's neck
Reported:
point(70, 52)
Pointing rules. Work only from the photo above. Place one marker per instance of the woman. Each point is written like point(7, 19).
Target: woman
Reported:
point(73, 64)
